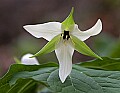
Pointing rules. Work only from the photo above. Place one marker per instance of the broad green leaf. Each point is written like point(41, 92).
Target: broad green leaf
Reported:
point(81, 47)
point(81, 80)
point(106, 64)
point(4, 88)
point(22, 85)
point(68, 23)
point(45, 90)
point(49, 47)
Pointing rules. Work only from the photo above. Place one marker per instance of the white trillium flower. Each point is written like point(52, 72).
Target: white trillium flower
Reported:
point(66, 41)
point(29, 61)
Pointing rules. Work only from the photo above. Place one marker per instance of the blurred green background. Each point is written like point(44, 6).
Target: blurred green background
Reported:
point(15, 41)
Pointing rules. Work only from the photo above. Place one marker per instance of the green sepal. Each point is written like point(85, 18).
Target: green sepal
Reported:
point(81, 47)
point(68, 23)
point(49, 47)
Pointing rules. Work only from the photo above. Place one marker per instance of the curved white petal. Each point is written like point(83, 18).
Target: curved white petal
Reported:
point(83, 35)
point(64, 51)
point(29, 61)
point(46, 30)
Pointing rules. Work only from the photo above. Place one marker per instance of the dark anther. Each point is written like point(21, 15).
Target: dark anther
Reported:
point(66, 35)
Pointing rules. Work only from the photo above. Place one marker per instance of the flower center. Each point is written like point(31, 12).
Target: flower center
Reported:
point(66, 35)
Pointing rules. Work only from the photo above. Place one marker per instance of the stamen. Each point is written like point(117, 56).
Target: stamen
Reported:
point(66, 35)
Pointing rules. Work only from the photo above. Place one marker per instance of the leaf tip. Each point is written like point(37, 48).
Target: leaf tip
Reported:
point(99, 57)
point(72, 10)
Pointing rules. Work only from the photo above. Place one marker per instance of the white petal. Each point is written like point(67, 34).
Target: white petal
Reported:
point(64, 51)
point(29, 61)
point(46, 30)
point(83, 35)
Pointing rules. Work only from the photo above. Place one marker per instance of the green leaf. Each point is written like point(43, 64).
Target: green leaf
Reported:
point(4, 88)
point(68, 23)
point(49, 47)
point(81, 80)
point(105, 64)
point(81, 47)
point(22, 85)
